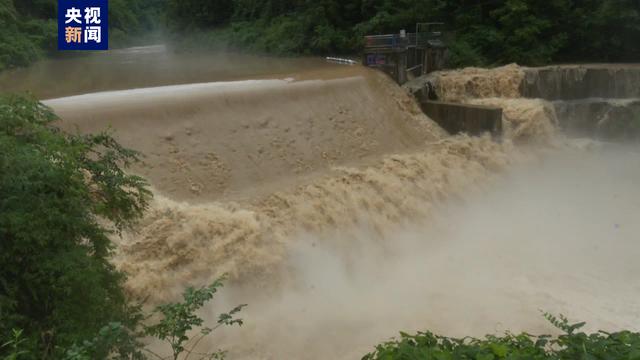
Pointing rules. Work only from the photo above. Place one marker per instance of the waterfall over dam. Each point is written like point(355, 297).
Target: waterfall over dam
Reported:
point(597, 101)
point(343, 214)
point(205, 141)
point(593, 100)
point(573, 82)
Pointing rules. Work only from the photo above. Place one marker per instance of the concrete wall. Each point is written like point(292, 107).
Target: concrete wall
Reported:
point(463, 118)
point(571, 82)
point(595, 100)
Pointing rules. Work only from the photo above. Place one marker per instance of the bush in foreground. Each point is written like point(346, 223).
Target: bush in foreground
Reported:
point(571, 345)
point(62, 196)
point(178, 325)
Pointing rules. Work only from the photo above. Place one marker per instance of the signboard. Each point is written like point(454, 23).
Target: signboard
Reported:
point(376, 59)
point(83, 25)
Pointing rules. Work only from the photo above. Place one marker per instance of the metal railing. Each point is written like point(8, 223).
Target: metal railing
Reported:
point(395, 41)
point(391, 41)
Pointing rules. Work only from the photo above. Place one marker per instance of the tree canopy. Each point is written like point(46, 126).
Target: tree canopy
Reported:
point(61, 196)
point(490, 32)
point(530, 32)
point(28, 28)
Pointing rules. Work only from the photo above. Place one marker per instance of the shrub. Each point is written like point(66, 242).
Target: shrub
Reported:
point(61, 197)
point(462, 54)
point(570, 345)
point(177, 319)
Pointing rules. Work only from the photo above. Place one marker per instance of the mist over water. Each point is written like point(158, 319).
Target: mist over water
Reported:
point(146, 66)
point(557, 234)
point(344, 215)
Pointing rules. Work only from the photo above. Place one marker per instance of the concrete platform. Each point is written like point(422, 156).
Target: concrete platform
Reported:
point(464, 118)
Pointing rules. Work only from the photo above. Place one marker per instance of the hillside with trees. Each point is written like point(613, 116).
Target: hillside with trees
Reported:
point(529, 32)
point(64, 196)
point(29, 28)
point(485, 33)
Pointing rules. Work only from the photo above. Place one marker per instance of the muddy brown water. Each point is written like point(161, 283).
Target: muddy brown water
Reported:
point(149, 66)
point(341, 213)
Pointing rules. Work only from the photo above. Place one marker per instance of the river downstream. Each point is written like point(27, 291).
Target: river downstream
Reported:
point(343, 214)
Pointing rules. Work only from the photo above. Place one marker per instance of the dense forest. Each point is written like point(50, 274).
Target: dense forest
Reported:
point(63, 196)
point(490, 32)
point(28, 28)
point(530, 32)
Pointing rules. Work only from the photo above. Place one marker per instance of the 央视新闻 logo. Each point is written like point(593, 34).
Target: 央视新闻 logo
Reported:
point(83, 25)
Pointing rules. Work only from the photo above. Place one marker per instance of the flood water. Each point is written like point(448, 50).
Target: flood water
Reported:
point(341, 213)
point(147, 66)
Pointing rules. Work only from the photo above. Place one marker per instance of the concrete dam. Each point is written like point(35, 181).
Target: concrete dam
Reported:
point(598, 101)
point(342, 213)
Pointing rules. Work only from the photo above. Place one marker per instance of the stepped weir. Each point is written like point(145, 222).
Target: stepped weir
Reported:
point(407, 57)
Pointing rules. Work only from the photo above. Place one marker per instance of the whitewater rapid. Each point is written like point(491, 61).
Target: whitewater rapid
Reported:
point(343, 214)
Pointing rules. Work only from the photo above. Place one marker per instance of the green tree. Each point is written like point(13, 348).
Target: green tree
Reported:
point(178, 319)
point(29, 29)
point(176, 324)
point(603, 30)
point(17, 48)
point(529, 32)
point(61, 197)
point(190, 13)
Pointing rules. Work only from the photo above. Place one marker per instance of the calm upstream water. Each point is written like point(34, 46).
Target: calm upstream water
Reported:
point(148, 66)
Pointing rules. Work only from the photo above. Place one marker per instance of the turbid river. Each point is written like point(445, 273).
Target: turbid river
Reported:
point(147, 66)
point(343, 214)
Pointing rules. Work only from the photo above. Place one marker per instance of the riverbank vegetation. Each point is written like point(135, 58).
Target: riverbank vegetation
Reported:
point(529, 32)
point(62, 198)
point(571, 344)
point(29, 28)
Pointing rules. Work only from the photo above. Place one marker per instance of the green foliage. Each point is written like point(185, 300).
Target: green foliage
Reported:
point(530, 32)
point(29, 28)
point(132, 22)
point(462, 54)
point(113, 340)
point(175, 324)
point(178, 319)
point(561, 322)
point(568, 346)
point(14, 346)
point(61, 197)
point(17, 47)
point(526, 31)
point(200, 13)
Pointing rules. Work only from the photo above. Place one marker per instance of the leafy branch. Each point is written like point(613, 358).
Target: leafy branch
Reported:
point(14, 345)
point(178, 319)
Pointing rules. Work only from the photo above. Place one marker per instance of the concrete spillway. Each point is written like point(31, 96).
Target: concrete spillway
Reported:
point(600, 117)
point(581, 82)
point(342, 214)
point(594, 100)
point(600, 101)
